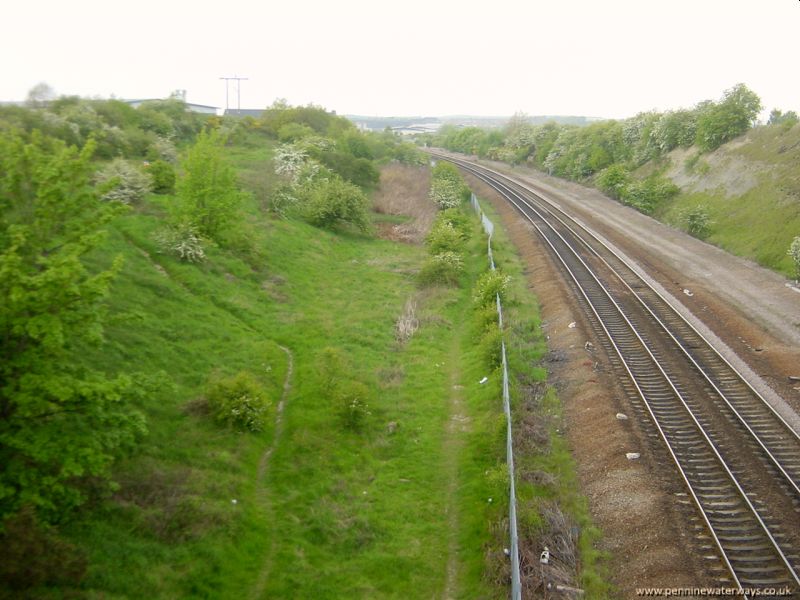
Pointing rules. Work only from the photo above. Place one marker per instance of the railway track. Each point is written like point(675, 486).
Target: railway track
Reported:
point(738, 458)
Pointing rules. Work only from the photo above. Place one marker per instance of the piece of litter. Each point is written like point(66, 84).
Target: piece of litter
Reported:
point(622, 416)
point(234, 501)
point(632, 455)
point(544, 557)
point(687, 292)
point(484, 380)
point(506, 551)
point(572, 325)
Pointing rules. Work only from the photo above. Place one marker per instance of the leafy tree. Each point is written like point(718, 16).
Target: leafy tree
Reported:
point(207, 193)
point(778, 117)
point(61, 424)
point(359, 171)
point(720, 122)
point(40, 94)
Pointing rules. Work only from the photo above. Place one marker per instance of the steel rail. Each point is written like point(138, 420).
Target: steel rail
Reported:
point(792, 479)
point(510, 194)
point(704, 371)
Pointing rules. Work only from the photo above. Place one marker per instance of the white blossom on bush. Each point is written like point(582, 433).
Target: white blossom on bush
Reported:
point(182, 241)
point(289, 161)
point(445, 193)
point(123, 182)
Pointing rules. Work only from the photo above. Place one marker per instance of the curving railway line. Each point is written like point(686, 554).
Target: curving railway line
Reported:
point(738, 458)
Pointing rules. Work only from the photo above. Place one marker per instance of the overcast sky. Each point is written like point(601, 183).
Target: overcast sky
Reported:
point(606, 58)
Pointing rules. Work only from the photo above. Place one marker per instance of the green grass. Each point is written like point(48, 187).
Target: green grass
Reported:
point(340, 514)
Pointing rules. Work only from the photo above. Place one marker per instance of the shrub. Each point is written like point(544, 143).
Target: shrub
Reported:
point(458, 219)
point(646, 195)
point(443, 237)
point(163, 176)
point(490, 346)
point(163, 149)
point(353, 406)
point(446, 193)
point(333, 201)
point(613, 180)
point(489, 286)
point(120, 181)
point(794, 252)
point(444, 268)
point(239, 401)
point(697, 221)
point(181, 240)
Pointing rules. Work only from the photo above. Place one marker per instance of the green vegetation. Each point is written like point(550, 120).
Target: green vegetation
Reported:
point(256, 399)
point(550, 505)
point(611, 150)
point(749, 195)
point(447, 188)
point(207, 196)
point(62, 424)
point(794, 253)
point(678, 166)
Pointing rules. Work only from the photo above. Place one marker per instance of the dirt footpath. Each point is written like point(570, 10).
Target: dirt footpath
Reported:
point(650, 529)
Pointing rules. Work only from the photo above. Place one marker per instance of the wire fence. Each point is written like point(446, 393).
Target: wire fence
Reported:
point(516, 585)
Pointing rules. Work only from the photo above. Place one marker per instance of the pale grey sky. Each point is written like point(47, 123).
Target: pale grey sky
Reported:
point(609, 58)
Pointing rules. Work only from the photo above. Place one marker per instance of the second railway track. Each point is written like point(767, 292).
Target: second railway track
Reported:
point(737, 457)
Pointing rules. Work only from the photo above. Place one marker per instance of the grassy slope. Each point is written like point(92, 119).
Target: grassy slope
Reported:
point(343, 514)
point(761, 222)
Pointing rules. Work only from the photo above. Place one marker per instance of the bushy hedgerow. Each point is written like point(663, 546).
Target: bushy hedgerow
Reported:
point(643, 194)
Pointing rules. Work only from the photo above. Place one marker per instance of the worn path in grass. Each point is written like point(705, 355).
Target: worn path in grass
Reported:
point(263, 465)
point(457, 426)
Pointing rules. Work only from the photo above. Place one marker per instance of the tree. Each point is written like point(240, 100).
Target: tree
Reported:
point(778, 117)
point(61, 424)
point(720, 122)
point(40, 94)
point(207, 193)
